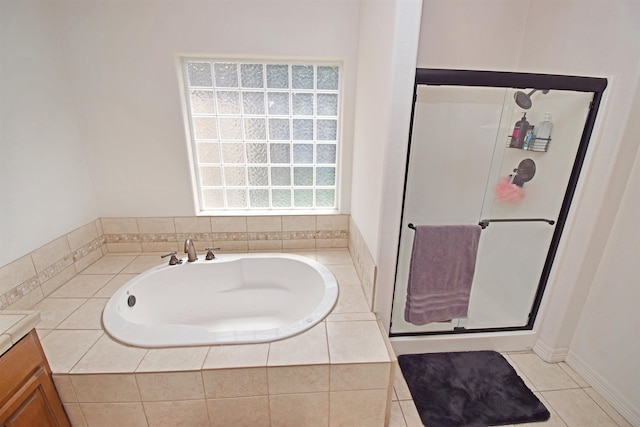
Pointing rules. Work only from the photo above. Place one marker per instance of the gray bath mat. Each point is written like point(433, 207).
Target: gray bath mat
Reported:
point(469, 389)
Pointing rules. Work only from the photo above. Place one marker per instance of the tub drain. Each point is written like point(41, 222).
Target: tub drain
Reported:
point(131, 301)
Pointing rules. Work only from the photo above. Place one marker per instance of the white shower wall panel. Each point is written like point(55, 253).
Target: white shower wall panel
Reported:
point(543, 195)
point(451, 154)
point(507, 272)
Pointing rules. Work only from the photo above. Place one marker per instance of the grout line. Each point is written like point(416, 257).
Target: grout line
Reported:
point(135, 378)
point(404, 417)
point(206, 356)
point(140, 361)
point(598, 405)
point(75, 393)
point(87, 351)
point(404, 421)
point(557, 414)
point(573, 375)
point(577, 387)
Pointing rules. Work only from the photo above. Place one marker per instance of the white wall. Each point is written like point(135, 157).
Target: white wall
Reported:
point(605, 348)
point(386, 69)
point(45, 185)
point(372, 108)
point(122, 61)
point(472, 35)
point(561, 38)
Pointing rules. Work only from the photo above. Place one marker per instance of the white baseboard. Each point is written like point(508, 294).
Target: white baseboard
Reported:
point(627, 409)
point(497, 341)
point(548, 353)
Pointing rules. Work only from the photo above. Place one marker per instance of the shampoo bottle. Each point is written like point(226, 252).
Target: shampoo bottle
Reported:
point(519, 132)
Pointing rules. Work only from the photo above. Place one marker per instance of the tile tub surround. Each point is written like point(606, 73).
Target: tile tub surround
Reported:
point(363, 262)
point(237, 233)
point(338, 373)
point(29, 279)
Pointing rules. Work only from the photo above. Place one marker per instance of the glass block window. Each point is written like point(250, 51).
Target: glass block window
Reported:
point(265, 135)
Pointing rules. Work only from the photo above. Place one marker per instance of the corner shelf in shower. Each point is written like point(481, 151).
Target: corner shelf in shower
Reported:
point(540, 145)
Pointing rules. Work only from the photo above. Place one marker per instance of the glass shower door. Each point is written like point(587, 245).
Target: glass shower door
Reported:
point(514, 252)
point(454, 140)
point(464, 168)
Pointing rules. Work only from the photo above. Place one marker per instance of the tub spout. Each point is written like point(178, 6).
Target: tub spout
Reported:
point(190, 250)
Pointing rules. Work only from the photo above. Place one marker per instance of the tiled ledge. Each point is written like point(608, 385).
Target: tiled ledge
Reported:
point(338, 372)
point(14, 325)
point(27, 280)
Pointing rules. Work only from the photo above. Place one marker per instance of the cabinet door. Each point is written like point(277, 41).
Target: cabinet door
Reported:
point(33, 409)
point(28, 396)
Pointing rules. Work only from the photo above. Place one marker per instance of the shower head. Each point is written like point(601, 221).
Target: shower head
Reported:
point(523, 100)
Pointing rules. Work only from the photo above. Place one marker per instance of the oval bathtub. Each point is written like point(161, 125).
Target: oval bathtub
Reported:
point(235, 298)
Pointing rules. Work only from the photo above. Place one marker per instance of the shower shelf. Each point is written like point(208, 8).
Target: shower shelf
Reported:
point(540, 145)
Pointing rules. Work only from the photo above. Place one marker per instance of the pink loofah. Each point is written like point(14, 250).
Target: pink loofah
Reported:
point(508, 192)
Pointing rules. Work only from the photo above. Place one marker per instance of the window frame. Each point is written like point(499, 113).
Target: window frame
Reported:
point(338, 143)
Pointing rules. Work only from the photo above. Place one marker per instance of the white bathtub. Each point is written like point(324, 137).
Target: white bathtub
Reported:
point(235, 298)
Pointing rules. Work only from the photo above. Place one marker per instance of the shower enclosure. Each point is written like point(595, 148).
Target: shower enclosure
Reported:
point(475, 158)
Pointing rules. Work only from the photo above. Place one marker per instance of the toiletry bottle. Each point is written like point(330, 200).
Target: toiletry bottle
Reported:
point(519, 132)
point(543, 130)
point(529, 138)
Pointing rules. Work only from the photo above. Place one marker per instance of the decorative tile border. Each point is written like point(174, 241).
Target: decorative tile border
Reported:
point(122, 238)
point(87, 249)
point(30, 282)
point(55, 268)
point(246, 233)
point(18, 292)
point(338, 235)
point(226, 237)
point(221, 237)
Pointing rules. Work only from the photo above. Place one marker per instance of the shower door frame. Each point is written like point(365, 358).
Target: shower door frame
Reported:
point(511, 80)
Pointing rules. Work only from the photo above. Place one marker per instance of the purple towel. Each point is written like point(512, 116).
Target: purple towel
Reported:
point(443, 261)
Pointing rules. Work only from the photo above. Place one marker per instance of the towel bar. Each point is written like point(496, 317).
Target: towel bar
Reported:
point(485, 222)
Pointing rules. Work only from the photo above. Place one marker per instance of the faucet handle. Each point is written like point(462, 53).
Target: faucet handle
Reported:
point(174, 259)
point(210, 255)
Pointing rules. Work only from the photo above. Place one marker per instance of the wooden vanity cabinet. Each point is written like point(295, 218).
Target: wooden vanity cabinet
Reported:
point(27, 395)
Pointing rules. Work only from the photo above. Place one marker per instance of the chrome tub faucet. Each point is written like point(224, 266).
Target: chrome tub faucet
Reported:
point(190, 250)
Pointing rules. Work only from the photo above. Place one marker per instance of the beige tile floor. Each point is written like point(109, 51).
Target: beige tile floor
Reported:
point(569, 399)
